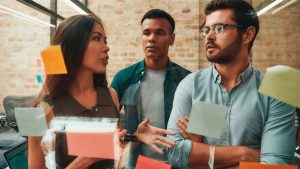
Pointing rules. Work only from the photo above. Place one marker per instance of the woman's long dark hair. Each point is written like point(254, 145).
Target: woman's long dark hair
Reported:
point(73, 35)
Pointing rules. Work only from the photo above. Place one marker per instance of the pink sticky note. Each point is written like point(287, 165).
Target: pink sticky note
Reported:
point(94, 144)
point(149, 163)
point(39, 63)
point(247, 165)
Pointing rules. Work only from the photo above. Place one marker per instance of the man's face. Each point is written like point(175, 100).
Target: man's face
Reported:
point(156, 38)
point(222, 47)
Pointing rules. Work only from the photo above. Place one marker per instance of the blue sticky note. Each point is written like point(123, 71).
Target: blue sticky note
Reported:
point(39, 78)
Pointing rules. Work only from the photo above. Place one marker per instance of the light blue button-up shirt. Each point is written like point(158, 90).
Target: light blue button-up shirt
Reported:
point(253, 120)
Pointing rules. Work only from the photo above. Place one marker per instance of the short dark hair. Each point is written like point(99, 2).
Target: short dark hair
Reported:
point(244, 13)
point(158, 13)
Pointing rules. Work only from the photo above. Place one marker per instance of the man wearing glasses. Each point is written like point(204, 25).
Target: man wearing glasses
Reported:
point(257, 128)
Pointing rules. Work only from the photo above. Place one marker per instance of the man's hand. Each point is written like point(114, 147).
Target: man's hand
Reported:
point(250, 154)
point(151, 136)
point(182, 127)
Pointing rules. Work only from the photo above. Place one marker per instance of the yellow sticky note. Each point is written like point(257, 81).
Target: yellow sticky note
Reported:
point(53, 60)
point(282, 83)
point(247, 165)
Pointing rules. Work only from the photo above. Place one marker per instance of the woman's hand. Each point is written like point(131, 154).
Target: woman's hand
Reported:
point(182, 126)
point(121, 134)
point(151, 136)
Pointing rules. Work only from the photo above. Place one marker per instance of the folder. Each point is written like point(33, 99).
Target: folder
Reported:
point(247, 165)
point(149, 163)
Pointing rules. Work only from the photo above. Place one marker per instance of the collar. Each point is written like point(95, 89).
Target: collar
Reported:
point(245, 75)
point(70, 106)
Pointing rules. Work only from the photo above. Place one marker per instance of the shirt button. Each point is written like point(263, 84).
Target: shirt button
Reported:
point(96, 109)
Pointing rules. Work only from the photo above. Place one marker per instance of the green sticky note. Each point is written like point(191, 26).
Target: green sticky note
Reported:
point(207, 119)
point(282, 83)
point(31, 121)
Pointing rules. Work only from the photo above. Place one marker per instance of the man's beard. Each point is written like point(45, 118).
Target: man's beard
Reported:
point(227, 54)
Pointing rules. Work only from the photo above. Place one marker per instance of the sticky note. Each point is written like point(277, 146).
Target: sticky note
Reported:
point(39, 63)
point(53, 60)
point(149, 163)
point(31, 121)
point(93, 144)
point(282, 83)
point(247, 165)
point(39, 78)
point(207, 119)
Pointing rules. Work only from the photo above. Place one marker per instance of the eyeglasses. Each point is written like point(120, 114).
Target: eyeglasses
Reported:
point(217, 28)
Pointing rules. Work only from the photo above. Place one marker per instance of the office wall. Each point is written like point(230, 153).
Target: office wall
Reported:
point(21, 41)
point(276, 43)
point(279, 39)
point(122, 22)
point(20, 44)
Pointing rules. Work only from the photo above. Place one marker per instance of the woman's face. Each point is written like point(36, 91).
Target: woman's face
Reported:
point(96, 57)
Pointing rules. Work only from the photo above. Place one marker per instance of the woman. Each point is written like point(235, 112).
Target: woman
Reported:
point(81, 92)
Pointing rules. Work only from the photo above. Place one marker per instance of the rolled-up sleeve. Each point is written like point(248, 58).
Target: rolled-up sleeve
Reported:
point(179, 155)
point(278, 139)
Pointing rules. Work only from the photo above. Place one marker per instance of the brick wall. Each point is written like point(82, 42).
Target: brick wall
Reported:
point(21, 42)
point(279, 39)
point(20, 46)
point(122, 22)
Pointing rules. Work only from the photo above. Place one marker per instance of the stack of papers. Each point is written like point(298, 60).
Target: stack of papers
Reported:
point(90, 137)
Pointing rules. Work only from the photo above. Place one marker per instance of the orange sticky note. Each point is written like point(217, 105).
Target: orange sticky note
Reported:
point(53, 60)
point(247, 165)
point(149, 163)
point(91, 144)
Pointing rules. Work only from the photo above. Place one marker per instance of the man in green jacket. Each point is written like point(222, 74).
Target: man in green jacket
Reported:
point(146, 89)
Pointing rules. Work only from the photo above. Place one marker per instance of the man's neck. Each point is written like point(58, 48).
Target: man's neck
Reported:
point(230, 73)
point(156, 64)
